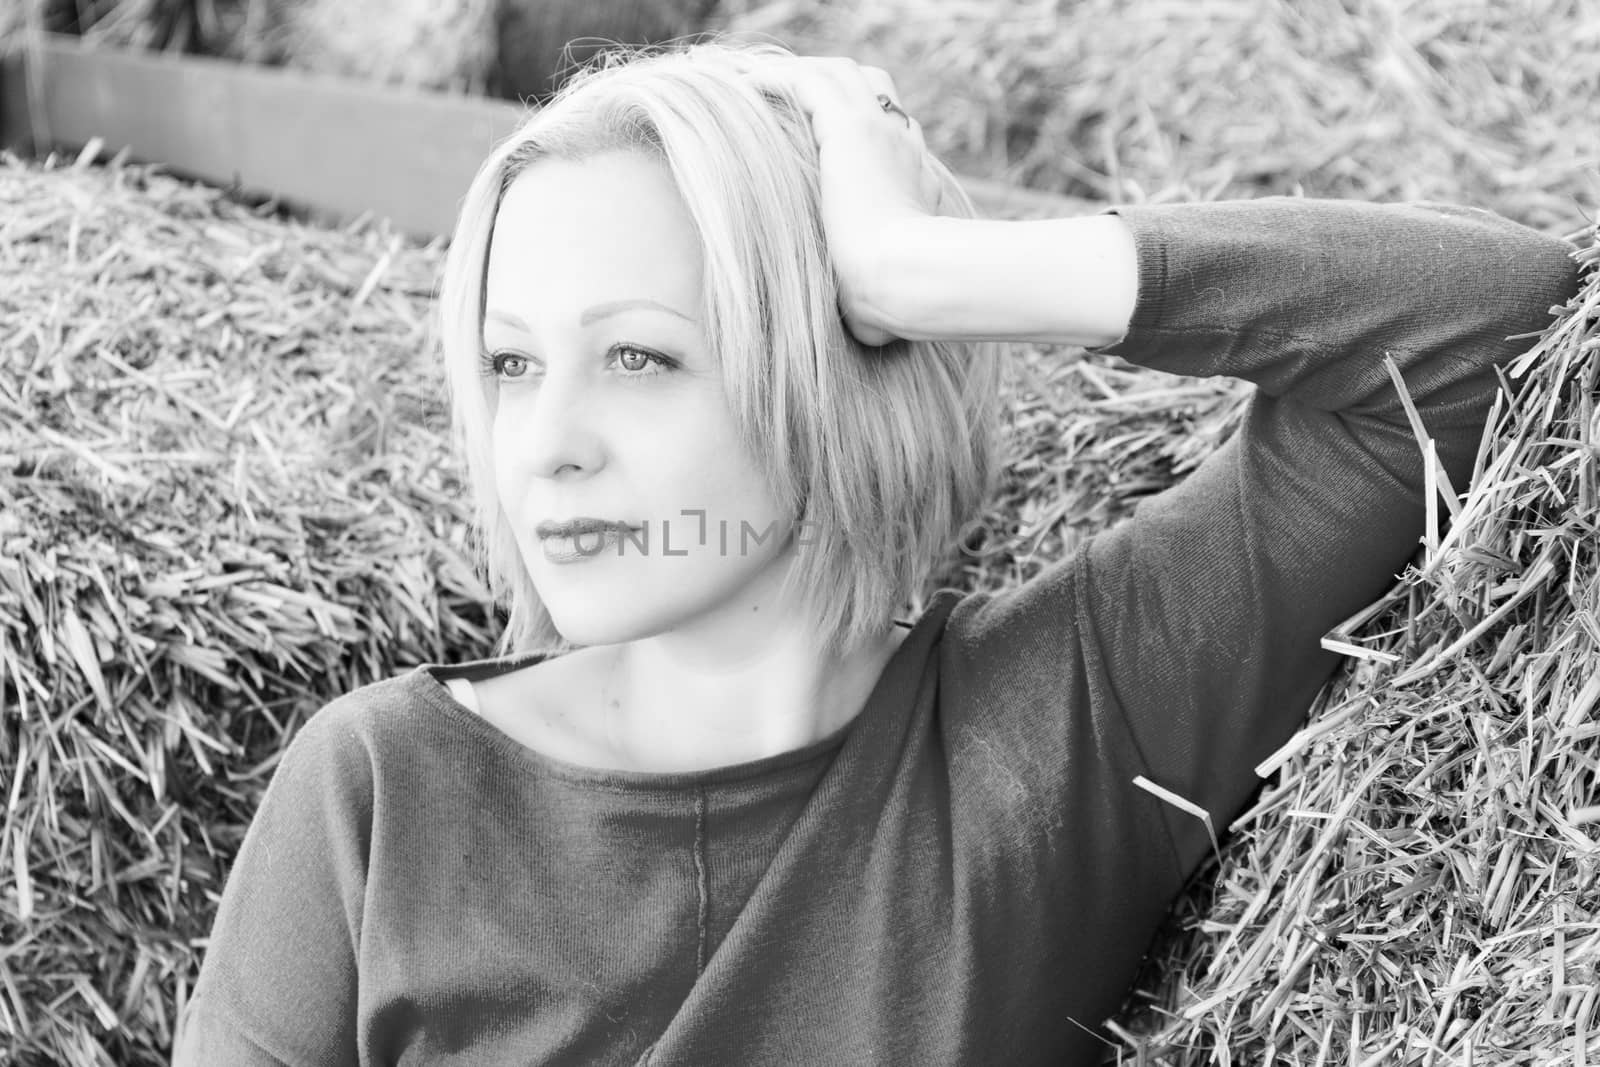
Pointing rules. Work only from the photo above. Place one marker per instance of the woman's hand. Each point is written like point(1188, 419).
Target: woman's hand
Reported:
point(876, 177)
point(904, 273)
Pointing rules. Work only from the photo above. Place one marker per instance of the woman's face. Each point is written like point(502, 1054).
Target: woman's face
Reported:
point(611, 408)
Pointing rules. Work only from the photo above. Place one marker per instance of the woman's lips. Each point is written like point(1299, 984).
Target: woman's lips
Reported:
point(575, 540)
point(580, 525)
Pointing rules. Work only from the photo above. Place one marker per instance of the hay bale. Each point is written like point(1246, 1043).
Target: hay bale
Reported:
point(1420, 880)
point(18, 19)
point(540, 39)
point(435, 44)
point(249, 30)
point(226, 496)
point(1085, 437)
point(1475, 103)
point(512, 48)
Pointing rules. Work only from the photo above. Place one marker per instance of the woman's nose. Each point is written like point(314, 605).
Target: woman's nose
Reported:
point(557, 436)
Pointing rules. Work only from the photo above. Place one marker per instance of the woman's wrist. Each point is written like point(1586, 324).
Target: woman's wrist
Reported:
point(1058, 281)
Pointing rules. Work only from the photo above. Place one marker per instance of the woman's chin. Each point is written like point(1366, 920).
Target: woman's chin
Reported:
point(606, 618)
point(610, 602)
point(591, 636)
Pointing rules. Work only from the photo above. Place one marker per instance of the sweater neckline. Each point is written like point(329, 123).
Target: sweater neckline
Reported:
point(895, 684)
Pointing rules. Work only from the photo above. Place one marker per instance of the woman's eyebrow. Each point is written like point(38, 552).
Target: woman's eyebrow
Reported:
point(600, 311)
point(595, 313)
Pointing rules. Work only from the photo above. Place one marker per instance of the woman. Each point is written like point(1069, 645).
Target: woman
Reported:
point(749, 819)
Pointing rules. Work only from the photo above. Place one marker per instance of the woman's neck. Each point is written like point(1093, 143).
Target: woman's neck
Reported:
point(677, 702)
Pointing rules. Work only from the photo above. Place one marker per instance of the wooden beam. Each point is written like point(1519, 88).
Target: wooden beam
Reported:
point(16, 124)
point(337, 146)
point(334, 145)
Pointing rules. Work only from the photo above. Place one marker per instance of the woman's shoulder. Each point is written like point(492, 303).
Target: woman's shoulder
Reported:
point(361, 724)
point(335, 754)
point(539, 702)
point(372, 704)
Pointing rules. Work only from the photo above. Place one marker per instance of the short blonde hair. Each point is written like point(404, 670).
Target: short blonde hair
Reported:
point(880, 455)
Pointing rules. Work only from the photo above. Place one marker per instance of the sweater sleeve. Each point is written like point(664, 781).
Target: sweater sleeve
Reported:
point(1192, 631)
point(278, 983)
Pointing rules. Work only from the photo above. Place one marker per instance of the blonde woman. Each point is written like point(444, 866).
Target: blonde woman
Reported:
point(722, 350)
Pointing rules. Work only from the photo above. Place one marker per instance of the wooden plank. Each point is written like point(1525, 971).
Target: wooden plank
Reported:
point(337, 146)
point(332, 144)
point(16, 125)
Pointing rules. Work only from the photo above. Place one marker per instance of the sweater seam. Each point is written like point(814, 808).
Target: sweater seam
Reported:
point(702, 888)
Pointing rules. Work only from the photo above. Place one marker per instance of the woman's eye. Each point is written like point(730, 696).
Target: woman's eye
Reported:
point(638, 361)
point(508, 364)
point(631, 361)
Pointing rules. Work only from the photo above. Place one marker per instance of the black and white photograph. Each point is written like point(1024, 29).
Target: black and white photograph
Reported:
point(799, 533)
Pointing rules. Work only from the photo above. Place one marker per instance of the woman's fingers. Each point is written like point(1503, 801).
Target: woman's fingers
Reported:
point(881, 85)
point(844, 102)
point(874, 169)
point(831, 88)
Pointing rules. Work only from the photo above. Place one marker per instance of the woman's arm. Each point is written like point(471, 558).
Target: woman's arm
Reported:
point(1196, 625)
point(1183, 645)
point(278, 985)
point(906, 271)
point(1050, 281)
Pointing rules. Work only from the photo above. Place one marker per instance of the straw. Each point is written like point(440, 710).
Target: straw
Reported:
point(250, 507)
point(1428, 841)
point(226, 497)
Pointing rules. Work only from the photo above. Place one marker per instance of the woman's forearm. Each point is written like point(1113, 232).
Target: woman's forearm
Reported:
point(1306, 298)
point(1067, 281)
point(1279, 291)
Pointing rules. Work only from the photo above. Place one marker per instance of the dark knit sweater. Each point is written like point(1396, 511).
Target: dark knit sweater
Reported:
point(966, 873)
